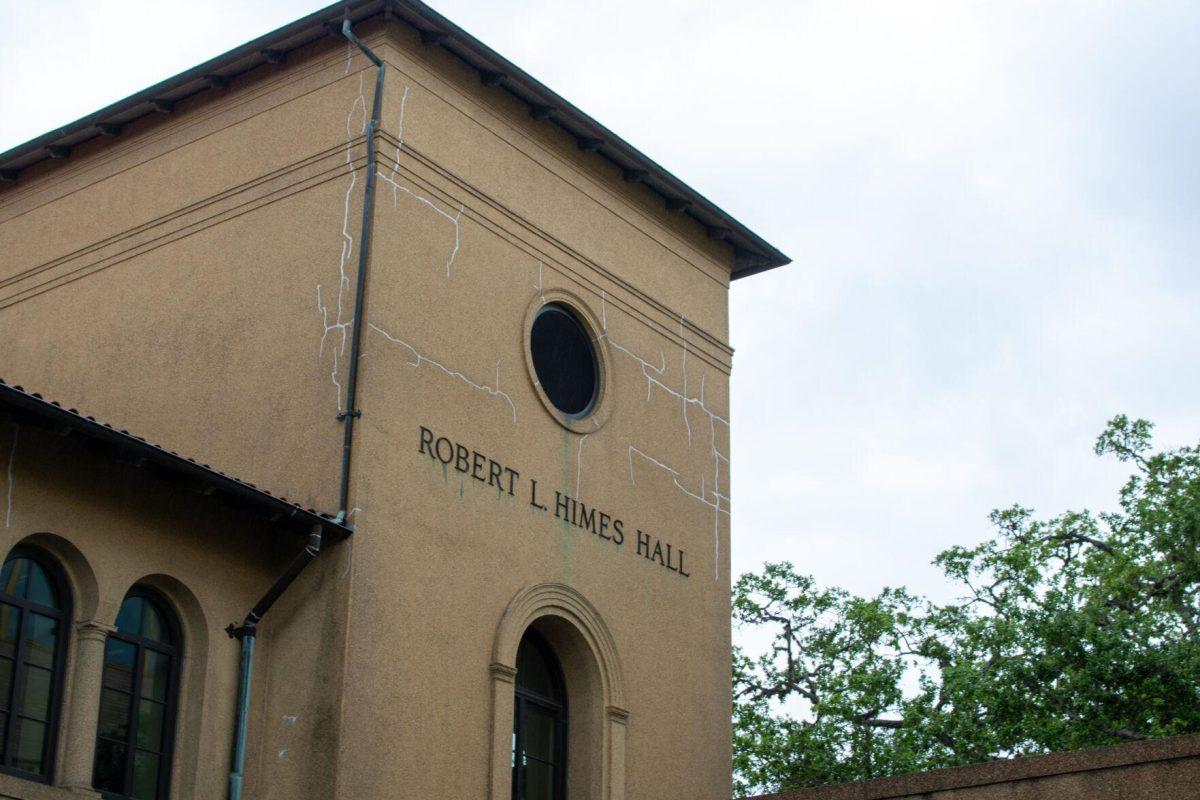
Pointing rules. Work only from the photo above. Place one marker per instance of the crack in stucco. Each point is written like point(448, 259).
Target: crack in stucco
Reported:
point(494, 391)
point(655, 377)
point(399, 137)
point(339, 326)
point(683, 403)
point(454, 219)
point(675, 476)
point(397, 187)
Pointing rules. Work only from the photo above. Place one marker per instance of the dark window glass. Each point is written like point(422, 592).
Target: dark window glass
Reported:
point(10, 624)
point(129, 618)
point(33, 610)
point(138, 701)
point(539, 724)
point(38, 685)
point(564, 360)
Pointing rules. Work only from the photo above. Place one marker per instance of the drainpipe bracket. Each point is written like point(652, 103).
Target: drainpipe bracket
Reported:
point(342, 415)
point(240, 631)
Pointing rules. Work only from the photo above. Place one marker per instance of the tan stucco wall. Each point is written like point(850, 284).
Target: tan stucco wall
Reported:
point(168, 283)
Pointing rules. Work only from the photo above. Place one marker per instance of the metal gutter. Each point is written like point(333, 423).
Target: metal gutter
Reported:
point(31, 408)
point(752, 254)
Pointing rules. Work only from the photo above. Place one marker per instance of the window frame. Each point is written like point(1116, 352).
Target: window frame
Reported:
point(522, 698)
point(174, 652)
point(58, 580)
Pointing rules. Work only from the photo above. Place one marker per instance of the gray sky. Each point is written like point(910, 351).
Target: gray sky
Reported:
point(992, 207)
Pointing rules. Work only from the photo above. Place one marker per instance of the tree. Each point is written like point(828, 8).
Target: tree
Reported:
point(1074, 631)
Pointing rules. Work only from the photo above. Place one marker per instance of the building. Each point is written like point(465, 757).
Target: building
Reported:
point(465, 351)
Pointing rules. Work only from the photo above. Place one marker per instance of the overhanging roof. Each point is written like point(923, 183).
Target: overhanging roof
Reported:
point(32, 408)
point(752, 253)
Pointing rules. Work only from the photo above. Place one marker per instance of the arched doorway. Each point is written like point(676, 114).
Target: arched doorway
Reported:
point(584, 651)
point(539, 723)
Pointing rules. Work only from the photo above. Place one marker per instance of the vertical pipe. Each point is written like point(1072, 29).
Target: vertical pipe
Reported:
point(247, 632)
point(364, 254)
point(243, 717)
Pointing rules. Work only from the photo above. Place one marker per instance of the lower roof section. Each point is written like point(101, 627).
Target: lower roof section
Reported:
point(27, 407)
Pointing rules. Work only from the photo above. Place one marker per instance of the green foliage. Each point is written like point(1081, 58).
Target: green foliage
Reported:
point(1075, 631)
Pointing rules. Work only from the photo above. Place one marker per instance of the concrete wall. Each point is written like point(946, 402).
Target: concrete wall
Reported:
point(1160, 769)
point(193, 282)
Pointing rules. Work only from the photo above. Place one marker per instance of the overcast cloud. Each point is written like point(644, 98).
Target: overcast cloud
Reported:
point(992, 209)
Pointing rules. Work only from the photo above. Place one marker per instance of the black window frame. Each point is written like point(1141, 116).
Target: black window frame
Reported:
point(523, 698)
point(58, 580)
point(174, 651)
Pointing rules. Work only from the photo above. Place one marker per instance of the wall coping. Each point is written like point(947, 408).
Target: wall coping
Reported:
point(14, 788)
point(1003, 771)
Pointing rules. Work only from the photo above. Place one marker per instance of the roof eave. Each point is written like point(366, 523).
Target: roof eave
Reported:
point(751, 253)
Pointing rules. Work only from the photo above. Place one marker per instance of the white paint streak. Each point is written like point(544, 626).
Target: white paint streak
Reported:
point(541, 284)
point(494, 391)
point(290, 719)
point(579, 464)
point(349, 557)
point(12, 458)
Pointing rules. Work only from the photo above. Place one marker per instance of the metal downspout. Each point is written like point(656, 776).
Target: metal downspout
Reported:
point(247, 631)
point(364, 255)
point(242, 720)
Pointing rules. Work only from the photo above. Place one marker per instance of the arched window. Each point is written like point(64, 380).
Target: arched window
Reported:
point(539, 724)
point(34, 605)
point(138, 698)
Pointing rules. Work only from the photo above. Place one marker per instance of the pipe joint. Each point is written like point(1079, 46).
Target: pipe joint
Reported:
point(247, 628)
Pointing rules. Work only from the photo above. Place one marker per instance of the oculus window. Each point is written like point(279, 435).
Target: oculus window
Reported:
point(539, 724)
point(564, 360)
point(33, 609)
point(138, 700)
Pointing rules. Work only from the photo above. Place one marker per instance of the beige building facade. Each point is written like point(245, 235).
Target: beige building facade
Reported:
point(457, 339)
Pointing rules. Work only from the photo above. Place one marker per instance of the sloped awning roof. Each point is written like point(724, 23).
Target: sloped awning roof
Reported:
point(752, 254)
point(30, 407)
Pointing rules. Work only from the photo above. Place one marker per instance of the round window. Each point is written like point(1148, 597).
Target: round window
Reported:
point(564, 360)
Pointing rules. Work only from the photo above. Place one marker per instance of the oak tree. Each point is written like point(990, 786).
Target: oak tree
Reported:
point(1074, 631)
